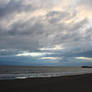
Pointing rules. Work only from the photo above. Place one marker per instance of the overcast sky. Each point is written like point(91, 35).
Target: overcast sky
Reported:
point(46, 32)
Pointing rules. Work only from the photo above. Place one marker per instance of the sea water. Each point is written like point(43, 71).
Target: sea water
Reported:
point(23, 72)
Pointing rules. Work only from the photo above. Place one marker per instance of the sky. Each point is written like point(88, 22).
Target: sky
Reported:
point(46, 32)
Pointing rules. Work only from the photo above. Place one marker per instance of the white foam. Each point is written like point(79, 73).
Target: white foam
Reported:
point(21, 77)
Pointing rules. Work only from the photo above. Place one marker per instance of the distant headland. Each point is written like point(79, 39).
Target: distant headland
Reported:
point(86, 66)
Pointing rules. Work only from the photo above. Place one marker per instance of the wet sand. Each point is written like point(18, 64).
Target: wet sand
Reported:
point(75, 83)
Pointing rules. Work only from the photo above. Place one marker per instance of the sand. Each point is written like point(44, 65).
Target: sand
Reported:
point(75, 83)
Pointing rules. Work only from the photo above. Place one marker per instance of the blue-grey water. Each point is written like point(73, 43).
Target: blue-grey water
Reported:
point(22, 72)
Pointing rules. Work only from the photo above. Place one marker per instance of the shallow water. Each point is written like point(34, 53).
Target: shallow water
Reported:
point(21, 72)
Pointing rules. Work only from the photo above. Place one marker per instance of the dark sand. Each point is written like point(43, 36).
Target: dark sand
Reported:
point(79, 83)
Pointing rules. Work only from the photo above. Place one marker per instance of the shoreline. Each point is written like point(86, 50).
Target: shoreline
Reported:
point(40, 77)
point(70, 83)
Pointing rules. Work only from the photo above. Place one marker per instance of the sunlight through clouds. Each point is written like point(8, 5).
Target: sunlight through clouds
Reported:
point(84, 58)
point(50, 58)
point(33, 54)
point(56, 47)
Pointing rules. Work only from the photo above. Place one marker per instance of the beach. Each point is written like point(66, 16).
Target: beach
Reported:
point(73, 83)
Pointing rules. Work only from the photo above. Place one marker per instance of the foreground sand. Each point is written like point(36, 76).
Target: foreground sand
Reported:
point(79, 83)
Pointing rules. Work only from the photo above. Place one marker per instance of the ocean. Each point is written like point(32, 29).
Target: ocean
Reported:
point(23, 72)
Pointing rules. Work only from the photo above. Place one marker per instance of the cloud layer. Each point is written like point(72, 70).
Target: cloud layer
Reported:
point(60, 27)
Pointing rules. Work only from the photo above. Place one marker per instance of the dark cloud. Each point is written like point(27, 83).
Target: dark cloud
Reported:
point(82, 54)
point(14, 6)
point(56, 16)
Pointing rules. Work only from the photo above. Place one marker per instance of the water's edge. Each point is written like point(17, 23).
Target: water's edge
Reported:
point(9, 73)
